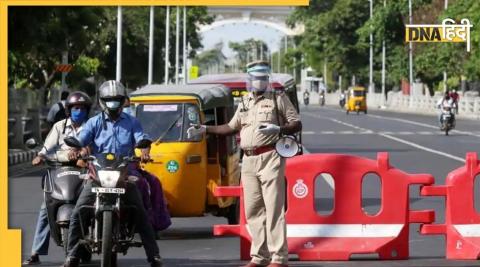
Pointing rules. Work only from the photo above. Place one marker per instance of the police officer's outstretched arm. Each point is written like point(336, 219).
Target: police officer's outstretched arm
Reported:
point(230, 128)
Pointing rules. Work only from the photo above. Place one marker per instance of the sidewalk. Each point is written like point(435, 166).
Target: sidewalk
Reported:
point(18, 156)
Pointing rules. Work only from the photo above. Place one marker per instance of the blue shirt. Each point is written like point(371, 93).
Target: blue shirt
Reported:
point(119, 137)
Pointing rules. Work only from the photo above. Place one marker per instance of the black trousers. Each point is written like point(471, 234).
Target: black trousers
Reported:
point(131, 196)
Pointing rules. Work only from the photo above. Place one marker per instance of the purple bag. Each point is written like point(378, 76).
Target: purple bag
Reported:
point(153, 199)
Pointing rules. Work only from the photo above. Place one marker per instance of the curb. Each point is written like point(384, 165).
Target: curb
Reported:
point(18, 156)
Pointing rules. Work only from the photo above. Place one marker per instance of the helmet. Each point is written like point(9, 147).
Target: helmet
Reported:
point(77, 98)
point(111, 96)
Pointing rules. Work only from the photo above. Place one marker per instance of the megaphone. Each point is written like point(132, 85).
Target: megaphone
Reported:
point(287, 146)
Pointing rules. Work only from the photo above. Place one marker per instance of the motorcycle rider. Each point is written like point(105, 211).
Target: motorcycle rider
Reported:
point(445, 102)
point(77, 106)
point(343, 99)
point(455, 97)
point(113, 131)
point(306, 97)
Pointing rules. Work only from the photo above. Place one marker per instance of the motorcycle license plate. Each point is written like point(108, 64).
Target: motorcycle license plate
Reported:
point(108, 190)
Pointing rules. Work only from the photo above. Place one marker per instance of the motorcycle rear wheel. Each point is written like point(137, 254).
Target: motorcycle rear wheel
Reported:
point(107, 231)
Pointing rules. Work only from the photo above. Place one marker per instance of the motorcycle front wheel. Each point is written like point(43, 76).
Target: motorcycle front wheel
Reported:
point(65, 239)
point(107, 232)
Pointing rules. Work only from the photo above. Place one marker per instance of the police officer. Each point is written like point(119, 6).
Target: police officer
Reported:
point(261, 116)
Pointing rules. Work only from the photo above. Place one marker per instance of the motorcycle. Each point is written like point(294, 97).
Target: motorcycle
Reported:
point(321, 99)
point(62, 185)
point(342, 101)
point(112, 228)
point(447, 120)
point(306, 98)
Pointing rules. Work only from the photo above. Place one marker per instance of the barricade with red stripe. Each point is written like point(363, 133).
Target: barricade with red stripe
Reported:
point(348, 229)
point(462, 221)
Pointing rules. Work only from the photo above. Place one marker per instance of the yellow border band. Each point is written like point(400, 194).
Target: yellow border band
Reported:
point(160, 3)
point(10, 239)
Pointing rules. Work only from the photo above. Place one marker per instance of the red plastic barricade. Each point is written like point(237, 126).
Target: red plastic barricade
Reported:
point(462, 221)
point(348, 229)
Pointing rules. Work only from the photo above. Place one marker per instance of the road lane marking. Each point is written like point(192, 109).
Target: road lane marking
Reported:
point(423, 147)
point(422, 124)
point(389, 136)
point(475, 133)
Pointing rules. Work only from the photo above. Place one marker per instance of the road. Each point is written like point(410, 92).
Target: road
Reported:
point(414, 143)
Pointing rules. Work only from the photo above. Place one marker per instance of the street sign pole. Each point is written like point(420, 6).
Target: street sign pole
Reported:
point(64, 74)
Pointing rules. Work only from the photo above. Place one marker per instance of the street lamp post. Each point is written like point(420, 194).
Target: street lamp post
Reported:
point(371, 86)
point(384, 97)
point(185, 48)
point(177, 43)
point(445, 72)
point(119, 44)
point(286, 47)
point(410, 56)
point(167, 43)
point(150, 47)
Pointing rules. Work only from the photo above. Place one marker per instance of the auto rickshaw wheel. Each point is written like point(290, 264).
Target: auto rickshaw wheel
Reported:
point(358, 111)
point(233, 213)
point(365, 111)
point(347, 111)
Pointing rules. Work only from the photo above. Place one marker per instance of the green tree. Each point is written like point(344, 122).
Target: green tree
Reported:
point(249, 50)
point(39, 35)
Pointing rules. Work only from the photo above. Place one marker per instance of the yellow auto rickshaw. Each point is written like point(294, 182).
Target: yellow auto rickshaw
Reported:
point(190, 168)
point(356, 100)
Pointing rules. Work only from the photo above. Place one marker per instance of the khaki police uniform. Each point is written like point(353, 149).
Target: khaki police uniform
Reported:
point(263, 172)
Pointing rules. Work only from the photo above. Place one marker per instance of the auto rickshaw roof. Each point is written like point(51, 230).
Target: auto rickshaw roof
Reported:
point(238, 80)
point(359, 88)
point(209, 95)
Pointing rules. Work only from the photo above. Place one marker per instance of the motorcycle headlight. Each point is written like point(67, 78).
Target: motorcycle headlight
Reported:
point(108, 178)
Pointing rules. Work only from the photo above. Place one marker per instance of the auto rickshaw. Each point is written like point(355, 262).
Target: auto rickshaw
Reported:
point(190, 168)
point(356, 100)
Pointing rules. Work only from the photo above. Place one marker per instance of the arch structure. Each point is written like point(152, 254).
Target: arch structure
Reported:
point(269, 16)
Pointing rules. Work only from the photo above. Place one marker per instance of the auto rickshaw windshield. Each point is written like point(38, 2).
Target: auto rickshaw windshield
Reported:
point(169, 122)
point(358, 93)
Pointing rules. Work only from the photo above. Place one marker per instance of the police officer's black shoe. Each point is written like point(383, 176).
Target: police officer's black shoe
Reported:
point(33, 260)
point(71, 262)
point(156, 262)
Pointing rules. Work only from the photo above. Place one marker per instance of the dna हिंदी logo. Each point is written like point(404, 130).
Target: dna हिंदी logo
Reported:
point(448, 31)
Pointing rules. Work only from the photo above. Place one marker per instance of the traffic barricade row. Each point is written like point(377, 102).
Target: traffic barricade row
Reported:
point(348, 229)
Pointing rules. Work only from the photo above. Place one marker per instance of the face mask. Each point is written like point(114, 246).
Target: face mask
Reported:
point(128, 110)
point(259, 85)
point(78, 115)
point(112, 104)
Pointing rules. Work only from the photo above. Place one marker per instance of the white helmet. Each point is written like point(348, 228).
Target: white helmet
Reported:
point(111, 96)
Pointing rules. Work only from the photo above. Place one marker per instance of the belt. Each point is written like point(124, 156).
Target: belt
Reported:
point(258, 150)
